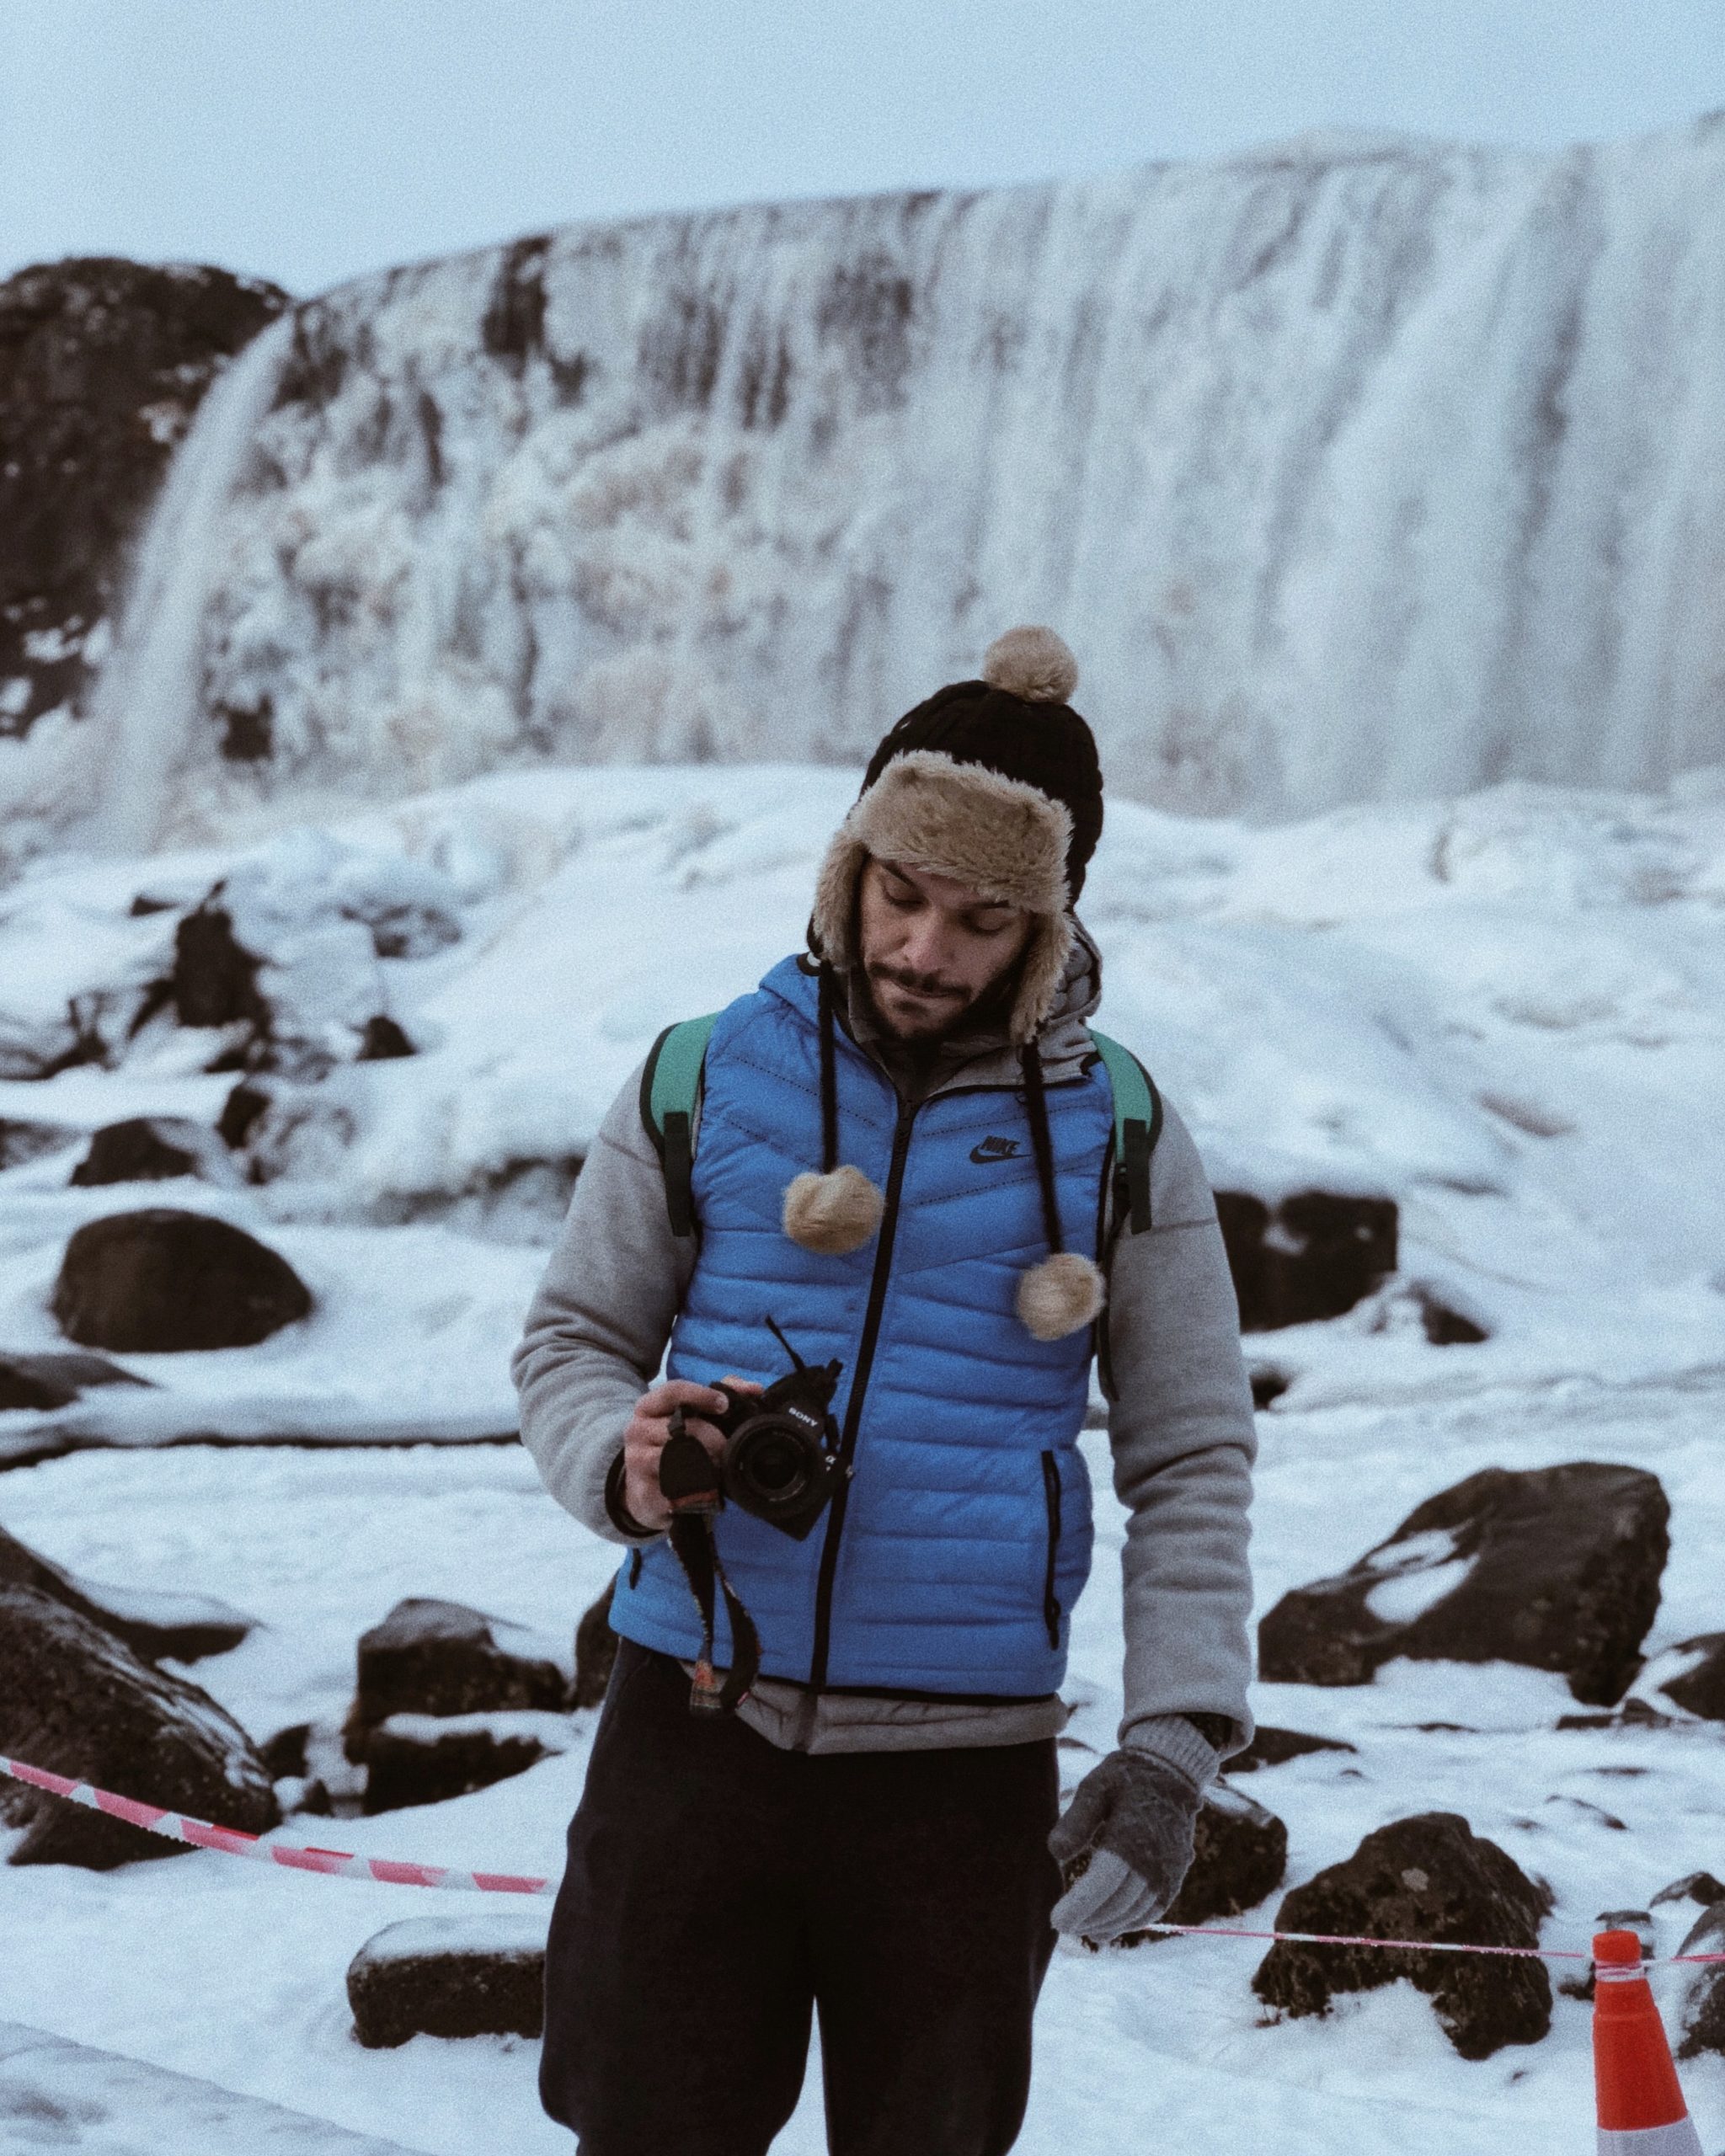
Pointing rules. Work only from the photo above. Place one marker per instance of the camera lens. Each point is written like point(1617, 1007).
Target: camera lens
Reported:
point(774, 1466)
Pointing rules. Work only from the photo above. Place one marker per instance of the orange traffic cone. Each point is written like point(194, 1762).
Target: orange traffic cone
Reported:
point(1642, 2110)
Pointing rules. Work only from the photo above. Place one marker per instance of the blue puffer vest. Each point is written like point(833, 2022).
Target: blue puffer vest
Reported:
point(949, 1563)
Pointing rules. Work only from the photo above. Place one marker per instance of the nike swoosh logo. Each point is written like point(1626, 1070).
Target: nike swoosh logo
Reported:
point(994, 1149)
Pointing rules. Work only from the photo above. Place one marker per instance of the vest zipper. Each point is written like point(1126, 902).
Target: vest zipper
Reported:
point(1051, 1490)
point(859, 1386)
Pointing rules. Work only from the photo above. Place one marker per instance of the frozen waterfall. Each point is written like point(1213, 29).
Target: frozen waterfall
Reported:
point(1354, 468)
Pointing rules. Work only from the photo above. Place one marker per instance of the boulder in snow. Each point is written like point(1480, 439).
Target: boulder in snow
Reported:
point(77, 1700)
point(473, 1976)
point(154, 1149)
point(215, 977)
point(1689, 1677)
point(186, 1626)
point(1428, 1877)
point(432, 1657)
point(423, 1758)
point(1555, 1567)
point(161, 1281)
point(1315, 1255)
point(596, 1651)
point(46, 1382)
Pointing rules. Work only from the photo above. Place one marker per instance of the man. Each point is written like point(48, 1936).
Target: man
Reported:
point(904, 1156)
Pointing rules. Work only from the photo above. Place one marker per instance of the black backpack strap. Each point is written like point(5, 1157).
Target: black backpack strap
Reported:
point(1138, 1124)
point(670, 1086)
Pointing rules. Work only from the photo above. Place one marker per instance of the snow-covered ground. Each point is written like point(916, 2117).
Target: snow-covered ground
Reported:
point(1508, 1013)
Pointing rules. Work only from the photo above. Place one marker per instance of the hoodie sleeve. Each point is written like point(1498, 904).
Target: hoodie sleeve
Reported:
point(1180, 1428)
point(596, 1330)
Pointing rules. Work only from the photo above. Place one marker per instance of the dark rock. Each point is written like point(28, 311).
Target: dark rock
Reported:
point(1314, 1255)
point(383, 1041)
point(46, 1382)
point(215, 978)
point(596, 1651)
point(283, 1754)
point(1274, 1747)
point(481, 1976)
point(1240, 1859)
point(1444, 1328)
point(431, 1658)
point(1429, 1877)
point(1699, 1887)
point(161, 1281)
point(29, 1141)
point(1690, 1675)
point(1633, 1714)
point(77, 1700)
point(308, 1764)
point(423, 1758)
point(240, 1112)
point(1267, 1385)
point(1557, 1568)
point(188, 1627)
point(1701, 2016)
point(152, 1149)
point(102, 365)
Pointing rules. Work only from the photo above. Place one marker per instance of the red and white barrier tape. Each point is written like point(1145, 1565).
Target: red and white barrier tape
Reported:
point(178, 1827)
point(390, 1871)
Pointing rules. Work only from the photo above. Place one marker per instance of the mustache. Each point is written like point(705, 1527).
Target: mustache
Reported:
point(930, 984)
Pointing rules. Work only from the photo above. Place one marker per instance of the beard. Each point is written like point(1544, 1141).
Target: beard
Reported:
point(939, 1005)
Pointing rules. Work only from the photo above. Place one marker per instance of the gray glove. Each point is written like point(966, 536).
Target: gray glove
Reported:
point(1134, 1816)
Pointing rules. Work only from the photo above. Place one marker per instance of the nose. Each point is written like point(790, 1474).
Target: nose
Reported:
point(924, 949)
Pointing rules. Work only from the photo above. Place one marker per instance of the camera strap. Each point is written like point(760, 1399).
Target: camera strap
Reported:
point(690, 1482)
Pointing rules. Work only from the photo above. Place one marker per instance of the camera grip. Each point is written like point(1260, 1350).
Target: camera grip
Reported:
point(688, 1476)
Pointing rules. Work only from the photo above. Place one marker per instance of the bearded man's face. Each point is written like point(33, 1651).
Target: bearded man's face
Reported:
point(931, 947)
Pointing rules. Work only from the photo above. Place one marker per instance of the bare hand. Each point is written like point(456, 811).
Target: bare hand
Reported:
point(650, 1425)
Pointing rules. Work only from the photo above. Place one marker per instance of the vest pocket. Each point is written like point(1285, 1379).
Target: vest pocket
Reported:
point(1050, 1601)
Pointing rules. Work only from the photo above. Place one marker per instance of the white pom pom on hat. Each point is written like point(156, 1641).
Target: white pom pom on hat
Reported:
point(1031, 663)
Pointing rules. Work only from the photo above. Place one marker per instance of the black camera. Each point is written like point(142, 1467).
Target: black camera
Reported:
point(780, 1460)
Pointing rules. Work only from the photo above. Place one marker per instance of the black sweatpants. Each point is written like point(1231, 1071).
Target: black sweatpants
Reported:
point(719, 1890)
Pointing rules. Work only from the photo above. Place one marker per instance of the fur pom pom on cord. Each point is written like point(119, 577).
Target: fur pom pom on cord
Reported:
point(1032, 663)
point(833, 1213)
point(1060, 1295)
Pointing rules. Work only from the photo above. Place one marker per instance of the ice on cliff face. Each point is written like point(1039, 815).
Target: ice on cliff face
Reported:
point(1354, 468)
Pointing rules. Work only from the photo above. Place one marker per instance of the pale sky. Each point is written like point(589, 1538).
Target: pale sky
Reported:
point(309, 141)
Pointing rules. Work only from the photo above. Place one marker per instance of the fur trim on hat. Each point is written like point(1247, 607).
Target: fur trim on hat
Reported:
point(1033, 663)
point(833, 1214)
point(1004, 839)
point(1060, 1295)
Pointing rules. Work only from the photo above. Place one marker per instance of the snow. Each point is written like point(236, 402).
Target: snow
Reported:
point(550, 1730)
point(493, 1931)
point(54, 2094)
point(1351, 1001)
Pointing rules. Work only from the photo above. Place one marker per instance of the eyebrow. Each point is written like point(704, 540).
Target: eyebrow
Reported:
point(977, 905)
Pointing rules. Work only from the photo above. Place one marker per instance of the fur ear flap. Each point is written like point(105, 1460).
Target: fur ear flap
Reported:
point(833, 1213)
point(1059, 1295)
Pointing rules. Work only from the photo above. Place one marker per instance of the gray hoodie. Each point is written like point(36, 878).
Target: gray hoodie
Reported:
point(1180, 1426)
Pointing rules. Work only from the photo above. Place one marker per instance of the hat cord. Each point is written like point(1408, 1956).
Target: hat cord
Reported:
point(1036, 1109)
point(829, 1074)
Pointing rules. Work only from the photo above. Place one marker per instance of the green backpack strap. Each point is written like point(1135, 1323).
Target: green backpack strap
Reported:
point(1138, 1124)
point(670, 1086)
